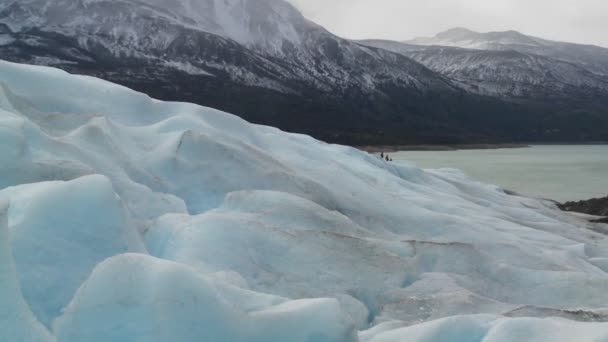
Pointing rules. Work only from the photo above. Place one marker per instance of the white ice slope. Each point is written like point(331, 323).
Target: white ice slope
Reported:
point(132, 219)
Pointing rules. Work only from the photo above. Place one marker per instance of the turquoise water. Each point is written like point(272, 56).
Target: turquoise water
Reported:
point(559, 172)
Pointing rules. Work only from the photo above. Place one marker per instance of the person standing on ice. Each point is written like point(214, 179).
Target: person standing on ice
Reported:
point(382, 155)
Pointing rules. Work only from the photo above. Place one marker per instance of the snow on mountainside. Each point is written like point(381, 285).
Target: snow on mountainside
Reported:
point(135, 219)
point(591, 57)
point(504, 73)
point(266, 24)
point(465, 38)
point(270, 25)
point(174, 33)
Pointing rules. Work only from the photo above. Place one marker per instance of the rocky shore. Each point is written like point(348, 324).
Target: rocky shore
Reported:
point(595, 206)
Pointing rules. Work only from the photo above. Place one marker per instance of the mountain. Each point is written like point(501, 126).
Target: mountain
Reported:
point(124, 218)
point(507, 73)
point(264, 60)
point(592, 58)
point(566, 81)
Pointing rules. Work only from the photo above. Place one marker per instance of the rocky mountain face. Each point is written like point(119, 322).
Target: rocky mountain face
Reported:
point(591, 57)
point(264, 61)
point(507, 73)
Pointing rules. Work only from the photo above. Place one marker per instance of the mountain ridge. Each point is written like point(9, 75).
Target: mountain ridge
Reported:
point(505, 73)
point(584, 54)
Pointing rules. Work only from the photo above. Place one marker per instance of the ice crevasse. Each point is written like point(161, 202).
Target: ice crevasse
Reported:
point(124, 218)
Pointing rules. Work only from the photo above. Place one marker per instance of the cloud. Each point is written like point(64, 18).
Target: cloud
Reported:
point(582, 21)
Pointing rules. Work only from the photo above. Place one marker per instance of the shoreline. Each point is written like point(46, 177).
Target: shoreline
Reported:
point(596, 206)
point(447, 147)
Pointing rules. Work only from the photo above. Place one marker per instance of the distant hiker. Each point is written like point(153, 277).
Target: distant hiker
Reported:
point(386, 157)
point(382, 155)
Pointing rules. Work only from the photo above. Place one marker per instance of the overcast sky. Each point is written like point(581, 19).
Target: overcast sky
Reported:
point(580, 21)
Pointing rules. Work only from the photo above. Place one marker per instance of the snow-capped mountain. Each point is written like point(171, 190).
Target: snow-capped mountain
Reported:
point(568, 82)
point(504, 72)
point(276, 37)
point(465, 38)
point(124, 218)
point(593, 58)
point(270, 25)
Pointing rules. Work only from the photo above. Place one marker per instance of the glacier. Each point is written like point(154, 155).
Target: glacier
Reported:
point(124, 218)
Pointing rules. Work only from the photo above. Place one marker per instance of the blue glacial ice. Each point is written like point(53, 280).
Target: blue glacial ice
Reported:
point(124, 218)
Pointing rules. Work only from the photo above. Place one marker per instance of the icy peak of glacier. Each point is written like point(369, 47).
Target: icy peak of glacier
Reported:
point(125, 218)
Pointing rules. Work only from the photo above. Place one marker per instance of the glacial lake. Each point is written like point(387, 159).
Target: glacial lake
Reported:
point(558, 172)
